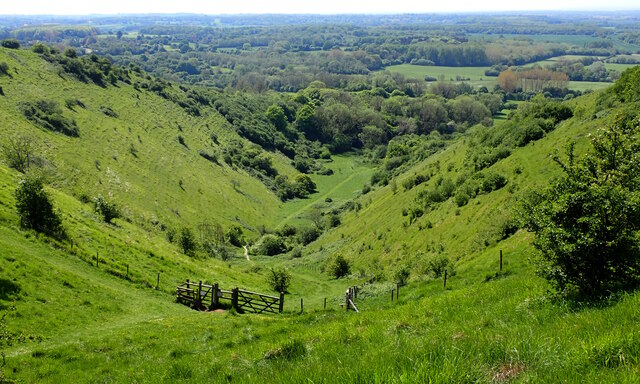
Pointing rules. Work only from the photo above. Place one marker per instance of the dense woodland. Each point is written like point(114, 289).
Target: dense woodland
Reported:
point(287, 53)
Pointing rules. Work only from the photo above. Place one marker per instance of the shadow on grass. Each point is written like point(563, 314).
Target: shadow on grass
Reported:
point(8, 289)
point(575, 302)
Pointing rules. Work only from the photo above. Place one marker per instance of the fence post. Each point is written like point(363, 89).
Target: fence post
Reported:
point(325, 303)
point(97, 259)
point(281, 306)
point(355, 292)
point(444, 285)
point(501, 261)
point(397, 291)
point(127, 271)
point(199, 298)
point(301, 305)
point(158, 282)
point(392, 294)
point(215, 295)
point(234, 298)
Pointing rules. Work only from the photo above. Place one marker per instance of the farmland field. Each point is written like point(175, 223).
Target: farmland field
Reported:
point(476, 76)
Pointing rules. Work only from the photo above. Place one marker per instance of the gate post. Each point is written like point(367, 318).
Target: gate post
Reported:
point(281, 304)
point(234, 298)
point(215, 295)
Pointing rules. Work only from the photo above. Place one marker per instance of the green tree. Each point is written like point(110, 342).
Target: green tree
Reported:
point(18, 153)
point(339, 267)
point(187, 241)
point(401, 274)
point(4, 69)
point(466, 109)
point(308, 234)
point(587, 223)
point(307, 122)
point(305, 184)
point(10, 43)
point(71, 53)
point(279, 279)
point(108, 210)
point(271, 245)
point(276, 116)
point(35, 208)
point(432, 116)
point(372, 136)
point(235, 236)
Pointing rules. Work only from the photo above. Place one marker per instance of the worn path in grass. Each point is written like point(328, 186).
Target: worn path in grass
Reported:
point(348, 178)
point(135, 304)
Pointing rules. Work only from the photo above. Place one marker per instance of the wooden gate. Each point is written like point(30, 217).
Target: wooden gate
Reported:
point(258, 302)
point(202, 296)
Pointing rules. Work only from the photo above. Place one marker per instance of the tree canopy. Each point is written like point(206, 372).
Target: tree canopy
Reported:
point(587, 223)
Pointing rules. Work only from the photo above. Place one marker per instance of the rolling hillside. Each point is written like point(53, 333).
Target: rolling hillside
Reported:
point(64, 319)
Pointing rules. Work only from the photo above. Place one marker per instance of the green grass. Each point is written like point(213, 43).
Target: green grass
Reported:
point(553, 60)
point(474, 331)
point(349, 176)
point(70, 321)
point(576, 40)
point(588, 85)
point(149, 185)
point(619, 67)
point(475, 74)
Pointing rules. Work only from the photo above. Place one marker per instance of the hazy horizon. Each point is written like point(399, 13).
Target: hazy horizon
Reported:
point(328, 7)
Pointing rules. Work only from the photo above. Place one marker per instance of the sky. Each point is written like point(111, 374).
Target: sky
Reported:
point(84, 7)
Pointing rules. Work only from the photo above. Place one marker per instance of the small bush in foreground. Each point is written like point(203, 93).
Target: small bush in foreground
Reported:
point(587, 223)
point(279, 279)
point(339, 267)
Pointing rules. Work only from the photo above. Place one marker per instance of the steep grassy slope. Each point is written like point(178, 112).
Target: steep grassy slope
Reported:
point(136, 157)
point(380, 231)
point(66, 320)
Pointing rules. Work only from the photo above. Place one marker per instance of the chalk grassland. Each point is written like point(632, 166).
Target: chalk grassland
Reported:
point(70, 321)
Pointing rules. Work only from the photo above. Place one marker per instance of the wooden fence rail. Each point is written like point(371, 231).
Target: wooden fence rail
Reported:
point(202, 296)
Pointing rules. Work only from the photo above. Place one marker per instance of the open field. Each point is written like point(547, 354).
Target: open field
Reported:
point(553, 60)
point(476, 74)
point(575, 39)
point(349, 175)
point(449, 73)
